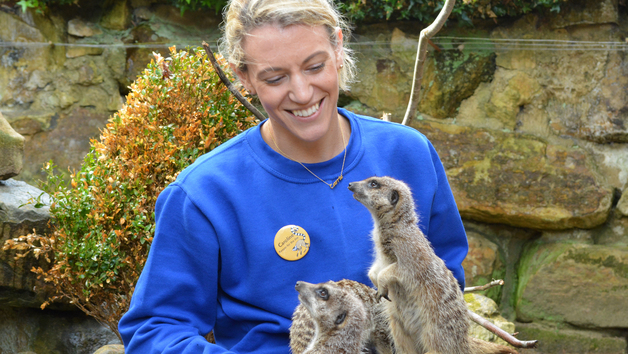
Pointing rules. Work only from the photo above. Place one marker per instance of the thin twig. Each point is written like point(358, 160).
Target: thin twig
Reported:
point(501, 333)
point(484, 287)
point(436, 48)
point(421, 54)
point(234, 91)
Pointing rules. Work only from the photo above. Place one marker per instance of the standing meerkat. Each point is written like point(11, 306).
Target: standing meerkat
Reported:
point(426, 307)
point(338, 317)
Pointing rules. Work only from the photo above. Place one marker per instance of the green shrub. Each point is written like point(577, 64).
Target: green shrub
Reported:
point(426, 10)
point(421, 10)
point(103, 219)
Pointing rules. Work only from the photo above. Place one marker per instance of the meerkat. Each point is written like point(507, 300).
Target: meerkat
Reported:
point(339, 317)
point(426, 308)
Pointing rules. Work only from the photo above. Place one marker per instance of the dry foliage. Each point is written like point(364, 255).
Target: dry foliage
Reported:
point(103, 220)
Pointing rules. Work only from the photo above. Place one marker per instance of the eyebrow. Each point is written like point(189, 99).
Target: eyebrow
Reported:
point(273, 69)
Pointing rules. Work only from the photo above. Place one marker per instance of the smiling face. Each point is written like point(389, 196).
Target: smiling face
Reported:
point(294, 72)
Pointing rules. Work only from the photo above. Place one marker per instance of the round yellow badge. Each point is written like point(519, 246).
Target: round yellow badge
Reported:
point(292, 242)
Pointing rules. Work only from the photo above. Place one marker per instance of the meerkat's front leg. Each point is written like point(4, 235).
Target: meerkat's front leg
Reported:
point(384, 278)
point(377, 267)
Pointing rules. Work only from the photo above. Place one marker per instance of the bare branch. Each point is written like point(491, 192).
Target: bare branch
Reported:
point(484, 287)
point(421, 54)
point(225, 80)
point(501, 333)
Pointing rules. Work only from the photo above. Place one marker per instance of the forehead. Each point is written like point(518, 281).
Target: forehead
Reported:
point(279, 46)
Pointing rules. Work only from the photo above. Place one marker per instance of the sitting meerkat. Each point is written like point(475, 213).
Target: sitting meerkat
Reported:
point(426, 308)
point(338, 317)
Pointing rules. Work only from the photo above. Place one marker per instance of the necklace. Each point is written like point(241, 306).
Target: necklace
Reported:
point(331, 185)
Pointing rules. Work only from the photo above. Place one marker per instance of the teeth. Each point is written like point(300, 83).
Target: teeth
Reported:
point(307, 112)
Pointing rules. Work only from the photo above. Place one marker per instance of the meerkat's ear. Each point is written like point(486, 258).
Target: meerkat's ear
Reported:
point(394, 197)
point(341, 318)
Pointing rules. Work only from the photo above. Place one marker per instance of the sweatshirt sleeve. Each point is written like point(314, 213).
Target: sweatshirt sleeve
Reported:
point(174, 303)
point(446, 231)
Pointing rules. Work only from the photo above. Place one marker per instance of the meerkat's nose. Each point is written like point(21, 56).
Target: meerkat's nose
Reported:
point(299, 284)
point(351, 186)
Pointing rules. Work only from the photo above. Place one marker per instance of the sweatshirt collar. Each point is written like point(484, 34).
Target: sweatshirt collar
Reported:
point(292, 171)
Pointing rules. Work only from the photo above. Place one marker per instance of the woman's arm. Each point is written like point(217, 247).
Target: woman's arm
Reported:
point(174, 303)
point(446, 231)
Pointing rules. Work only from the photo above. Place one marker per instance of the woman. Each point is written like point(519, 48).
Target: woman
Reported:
point(244, 223)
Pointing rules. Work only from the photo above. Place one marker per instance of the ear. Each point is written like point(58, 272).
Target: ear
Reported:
point(340, 53)
point(394, 197)
point(243, 76)
point(341, 318)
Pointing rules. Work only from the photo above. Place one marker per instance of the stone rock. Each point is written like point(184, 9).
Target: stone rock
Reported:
point(510, 242)
point(87, 81)
point(142, 13)
point(117, 15)
point(79, 28)
point(11, 150)
point(586, 13)
point(383, 85)
point(51, 332)
point(481, 261)
point(519, 180)
point(510, 91)
point(386, 75)
point(452, 76)
point(561, 340)
point(111, 349)
point(66, 144)
point(202, 19)
point(622, 205)
point(582, 92)
point(488, 309)
point(18, 216)
point(583, 285)
point(15, 206)
point(17, 63)
point(138, 58)
point(75, 52)
point(32, 121)
point(614, 232)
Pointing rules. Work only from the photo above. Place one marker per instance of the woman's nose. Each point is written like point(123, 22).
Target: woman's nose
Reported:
point(300, 89)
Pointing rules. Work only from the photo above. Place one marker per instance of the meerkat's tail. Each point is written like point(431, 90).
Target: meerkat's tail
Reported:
point(479, 346)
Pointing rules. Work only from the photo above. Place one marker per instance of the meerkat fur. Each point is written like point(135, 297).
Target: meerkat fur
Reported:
point(426, 308)
point(338, 317)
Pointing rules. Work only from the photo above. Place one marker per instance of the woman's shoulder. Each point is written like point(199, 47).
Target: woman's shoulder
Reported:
point(216, 162)
point(378, 129)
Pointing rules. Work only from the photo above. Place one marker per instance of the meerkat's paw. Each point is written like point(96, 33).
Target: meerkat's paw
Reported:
point(382, 292)
point(373, 276)
point(386, 277)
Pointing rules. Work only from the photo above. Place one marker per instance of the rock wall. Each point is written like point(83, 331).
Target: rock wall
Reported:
point(61, 328)
point(533, 136)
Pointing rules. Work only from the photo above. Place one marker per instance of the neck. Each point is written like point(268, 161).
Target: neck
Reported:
point(348, 340)
point(292, 147)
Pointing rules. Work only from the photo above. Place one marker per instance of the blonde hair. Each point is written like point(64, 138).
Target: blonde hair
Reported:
point(243, 16)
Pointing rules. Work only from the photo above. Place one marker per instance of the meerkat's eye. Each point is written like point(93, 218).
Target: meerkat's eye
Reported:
point(322, 293)
point(341, 318)
point(373, 184)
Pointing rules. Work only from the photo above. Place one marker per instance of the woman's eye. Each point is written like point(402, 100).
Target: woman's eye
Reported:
point(316, 68)
point(273, 80)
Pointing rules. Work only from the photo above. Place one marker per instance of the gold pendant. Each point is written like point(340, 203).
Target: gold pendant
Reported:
point(335, 182)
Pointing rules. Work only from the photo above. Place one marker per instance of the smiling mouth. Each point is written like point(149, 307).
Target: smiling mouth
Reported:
point(307, 112)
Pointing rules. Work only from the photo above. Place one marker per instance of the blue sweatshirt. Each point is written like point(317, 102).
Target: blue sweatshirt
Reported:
point(213, 263)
